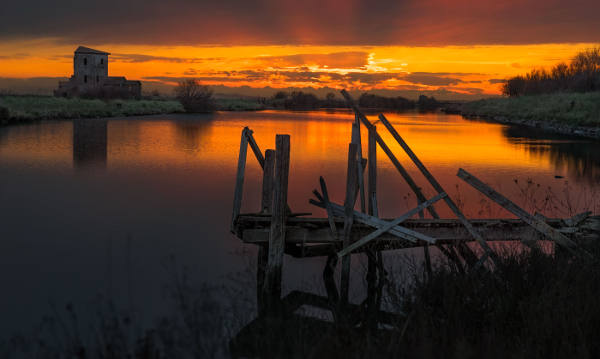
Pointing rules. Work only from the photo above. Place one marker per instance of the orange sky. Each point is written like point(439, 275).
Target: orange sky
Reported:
point(446, 71)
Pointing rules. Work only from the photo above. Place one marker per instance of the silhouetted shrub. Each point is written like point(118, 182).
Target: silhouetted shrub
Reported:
point(4, 114)
point(194, 96)
point(368, 100)
point(427, 103)
point(302, 100)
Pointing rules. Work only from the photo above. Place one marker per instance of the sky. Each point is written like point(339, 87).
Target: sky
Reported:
point(451, 49)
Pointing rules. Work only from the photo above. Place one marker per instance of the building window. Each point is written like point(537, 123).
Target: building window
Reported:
point(97, 78)
point(85, 79)
point(85, 61)
point(101, 61)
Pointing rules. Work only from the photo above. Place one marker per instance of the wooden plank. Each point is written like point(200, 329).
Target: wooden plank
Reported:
point(398, 231)
point(239, 182)
point(360, 169)
point(351, 182)
point(278, 219)
point(388, 226)
point(390, 154)
point(267, 184)
point(328, 208)
point(435, 184)
point(255, 148)
point(510, 206)
point(372, 173)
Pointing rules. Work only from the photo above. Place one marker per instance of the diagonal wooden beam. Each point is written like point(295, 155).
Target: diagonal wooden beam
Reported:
point(375, 222)
point(366, 239)
point(257, 153)
point(389, 153)
point(510, 206)
point(435, 184)
point(328, 208)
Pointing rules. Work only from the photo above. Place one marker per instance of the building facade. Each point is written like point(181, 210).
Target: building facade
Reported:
point(90, 78)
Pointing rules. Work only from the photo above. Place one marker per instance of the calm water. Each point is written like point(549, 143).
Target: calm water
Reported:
point(98, 206)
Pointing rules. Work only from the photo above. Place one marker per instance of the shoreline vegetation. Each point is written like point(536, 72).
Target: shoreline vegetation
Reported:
point(564, 99)
point(575, 114)
point(191, 99)
point(536, 303)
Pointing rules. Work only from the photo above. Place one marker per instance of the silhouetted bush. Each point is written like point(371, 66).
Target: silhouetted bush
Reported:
point(194, 96)
point(302, 100)
point(581, 75)
point(427, 103)
point(4, 114)
point(368, 100)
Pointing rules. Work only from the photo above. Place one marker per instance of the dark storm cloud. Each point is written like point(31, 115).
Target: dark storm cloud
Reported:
point(332, 22)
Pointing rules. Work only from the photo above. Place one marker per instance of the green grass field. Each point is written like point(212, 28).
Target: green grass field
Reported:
point(577, 109)
point(26, 108)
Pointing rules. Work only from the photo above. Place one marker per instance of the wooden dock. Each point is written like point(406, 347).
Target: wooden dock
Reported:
point(277, 230)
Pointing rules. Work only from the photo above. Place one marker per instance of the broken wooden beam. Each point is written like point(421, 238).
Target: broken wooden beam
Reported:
point(389, 225)
point(510, 206)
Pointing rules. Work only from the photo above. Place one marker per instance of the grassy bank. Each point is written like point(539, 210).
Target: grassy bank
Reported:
point(570, 109)
point(238, 104)
point(27, 108)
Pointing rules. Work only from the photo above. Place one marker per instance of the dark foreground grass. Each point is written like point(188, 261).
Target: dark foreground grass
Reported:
point(532, 305)
point(575, 109)
point(28, 108)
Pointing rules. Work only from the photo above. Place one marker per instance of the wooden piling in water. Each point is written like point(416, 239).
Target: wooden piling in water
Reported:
point(351, 184)
point(266, 208)
point(278, 220)
point(239, 182)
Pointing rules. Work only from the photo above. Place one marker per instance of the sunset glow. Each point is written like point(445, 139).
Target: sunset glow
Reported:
point(448, 71)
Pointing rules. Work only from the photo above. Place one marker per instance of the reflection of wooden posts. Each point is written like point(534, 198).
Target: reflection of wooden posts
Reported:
point(351, 181)
point(278, 218)
point(266, 207)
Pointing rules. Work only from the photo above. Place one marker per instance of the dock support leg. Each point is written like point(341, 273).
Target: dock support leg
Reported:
point(351, 184)
point(278, 220)
point(263, 250)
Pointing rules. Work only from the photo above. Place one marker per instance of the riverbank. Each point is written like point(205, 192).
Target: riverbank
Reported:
point(575, 114)
point(15, 109)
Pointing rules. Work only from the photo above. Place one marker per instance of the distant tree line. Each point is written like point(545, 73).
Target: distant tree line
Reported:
point(582, 74)
point(306, 101)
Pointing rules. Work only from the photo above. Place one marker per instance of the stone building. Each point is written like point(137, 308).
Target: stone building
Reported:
point(90, 78)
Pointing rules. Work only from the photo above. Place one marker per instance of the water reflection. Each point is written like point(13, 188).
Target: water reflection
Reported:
point(90, 139)
point(191, 133)
point(578, 157)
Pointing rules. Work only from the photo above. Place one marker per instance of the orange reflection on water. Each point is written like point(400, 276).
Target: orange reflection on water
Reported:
point(203, 150)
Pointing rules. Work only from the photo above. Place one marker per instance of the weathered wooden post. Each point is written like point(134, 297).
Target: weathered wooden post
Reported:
point(266, 207)
point(239, 182)
point(273, 274)
point(351, 184)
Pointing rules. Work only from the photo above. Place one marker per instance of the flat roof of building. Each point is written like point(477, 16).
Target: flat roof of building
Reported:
point(87, 50)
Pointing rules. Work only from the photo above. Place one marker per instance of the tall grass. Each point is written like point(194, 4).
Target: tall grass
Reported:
point(24, 108)
point(582, 109)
